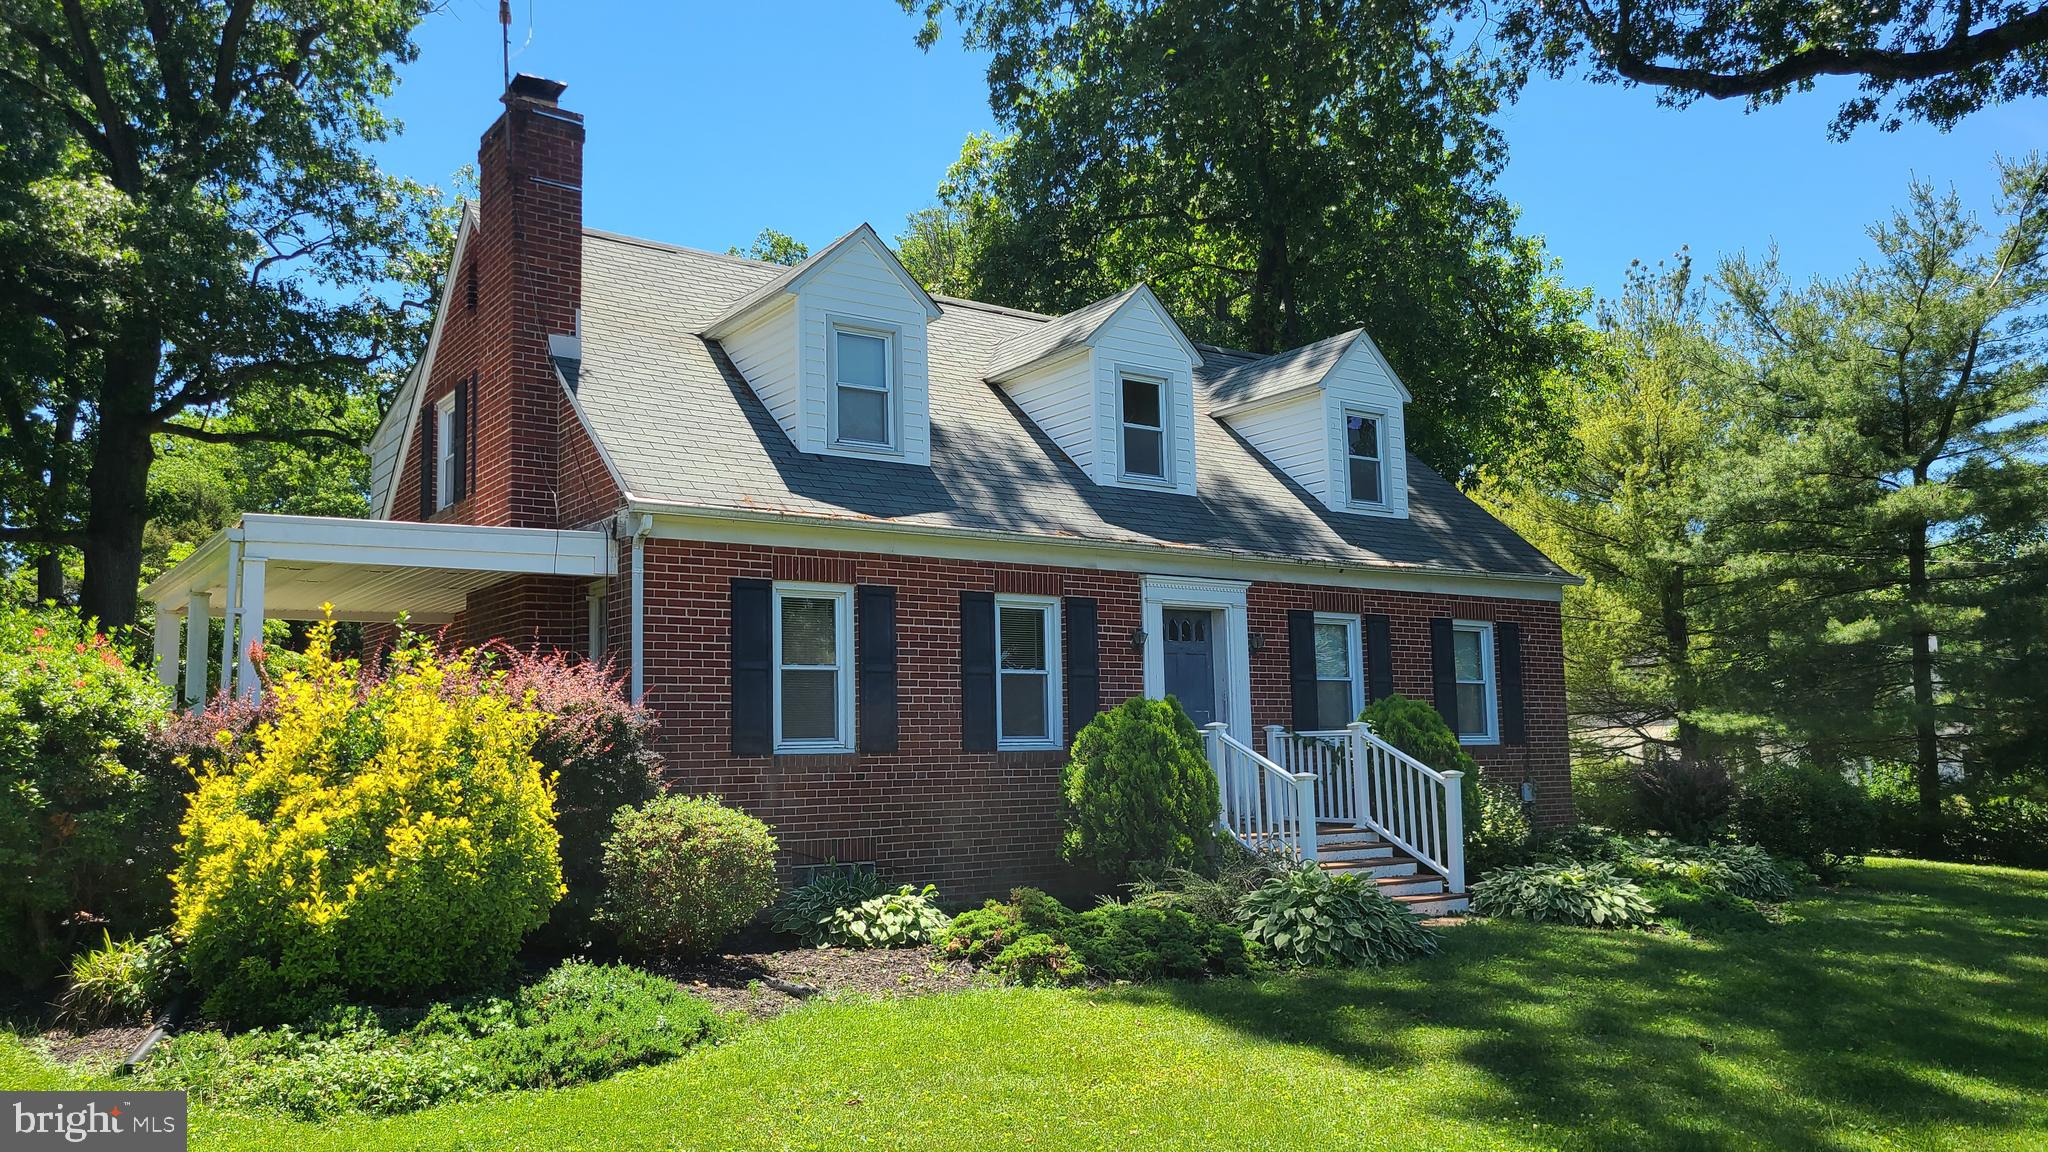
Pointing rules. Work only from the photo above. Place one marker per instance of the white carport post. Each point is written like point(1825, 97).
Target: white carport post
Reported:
point(227, 616)
point(165, 642)
point(246, 681)
point(198, 624)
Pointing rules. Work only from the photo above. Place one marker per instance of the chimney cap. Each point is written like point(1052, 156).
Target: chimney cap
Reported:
point(540, 89)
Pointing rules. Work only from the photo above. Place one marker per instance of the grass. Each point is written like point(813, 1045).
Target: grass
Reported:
point(1908, 1010)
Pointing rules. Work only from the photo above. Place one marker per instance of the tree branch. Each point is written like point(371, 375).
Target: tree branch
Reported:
point(299, 436)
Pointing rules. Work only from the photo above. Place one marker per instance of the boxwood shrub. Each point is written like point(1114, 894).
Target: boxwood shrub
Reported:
point(684, 872)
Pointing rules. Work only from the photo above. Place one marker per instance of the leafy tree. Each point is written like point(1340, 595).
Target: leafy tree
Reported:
point(1277, 173)
point(203, 233)
point(1651, 423)
point(1901, 440)
point(1937, 62)
point(774, 247)
point(942, 244)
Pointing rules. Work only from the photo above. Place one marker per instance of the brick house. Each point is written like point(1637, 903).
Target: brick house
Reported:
point(873, 557)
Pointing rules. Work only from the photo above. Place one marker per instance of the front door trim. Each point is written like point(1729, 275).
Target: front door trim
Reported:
point(1231, 644)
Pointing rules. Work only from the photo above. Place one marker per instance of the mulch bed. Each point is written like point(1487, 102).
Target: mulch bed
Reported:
point(765, 983)
point(100, 1046)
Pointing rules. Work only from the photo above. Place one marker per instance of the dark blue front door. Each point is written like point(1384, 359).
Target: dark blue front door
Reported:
point(1191, 664)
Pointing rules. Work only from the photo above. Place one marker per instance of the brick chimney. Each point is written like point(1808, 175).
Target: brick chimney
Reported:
point(529, 272)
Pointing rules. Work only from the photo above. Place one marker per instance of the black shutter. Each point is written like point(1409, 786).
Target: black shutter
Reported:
point(978, 671)
point(875, 659)
point(1379, 658)
point(1514, 728)
point(458, 479)
point(427, 506)
point(1443, 669)
point(1084, 662)
point(753, 704)
point(1301, 669)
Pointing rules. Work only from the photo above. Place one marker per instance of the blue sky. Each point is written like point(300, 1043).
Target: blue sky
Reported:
point(709, 122)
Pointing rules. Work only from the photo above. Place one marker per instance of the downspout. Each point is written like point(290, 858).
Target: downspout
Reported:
point(641, 525)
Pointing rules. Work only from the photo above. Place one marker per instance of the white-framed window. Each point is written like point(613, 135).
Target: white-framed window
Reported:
point(1027, 672)
point(1142, 411)
point(1472, 666)
point(813, 645)
point(863, 387)
point(1340, 690)
point(1364, 460)
point(444, 452)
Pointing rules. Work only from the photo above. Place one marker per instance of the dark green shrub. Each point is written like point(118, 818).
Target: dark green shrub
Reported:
point(683, 872)
point(599, 747)
point(86, 812)
point(1594, 895)
point(1582, 843)
point(1038, 911)
point(899, 919)
point(977, 936)
point(1126, 942)
point(1139, 793)
point(1038, 958)
point(1689, 798)
point(1806, 812)
point(1310, 918)
point(1418, 729)
point(1997, 829)
point(808, 912)
point(1496, 829)
point(585, 1022)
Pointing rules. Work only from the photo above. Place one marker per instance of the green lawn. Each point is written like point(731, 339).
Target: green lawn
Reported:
point(1909, 1010)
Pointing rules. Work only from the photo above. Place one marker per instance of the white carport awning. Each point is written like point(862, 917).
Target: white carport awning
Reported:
point(289, 567)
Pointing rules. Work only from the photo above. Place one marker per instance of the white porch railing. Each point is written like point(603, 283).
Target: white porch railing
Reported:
point(1366, 782)
point(1267, 807)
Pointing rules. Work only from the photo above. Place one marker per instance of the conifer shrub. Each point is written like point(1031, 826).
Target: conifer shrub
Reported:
point(380, 838)
point(1139, 793)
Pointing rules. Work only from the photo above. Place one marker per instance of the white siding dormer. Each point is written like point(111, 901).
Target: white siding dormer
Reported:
point(836, 349)
point(1307, 410)
point(1113, 385)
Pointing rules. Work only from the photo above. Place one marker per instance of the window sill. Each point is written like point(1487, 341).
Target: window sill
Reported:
point(1479, 740)
point(1029, 746)
point(813, 749)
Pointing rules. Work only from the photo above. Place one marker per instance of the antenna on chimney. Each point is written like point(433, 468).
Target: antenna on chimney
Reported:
point(505, 36)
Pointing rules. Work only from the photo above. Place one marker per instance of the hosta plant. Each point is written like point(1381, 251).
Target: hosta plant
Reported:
point(1310, 918)
point(1564, 893)
point(897, 919)
point(1742, 870)
point(808, 912)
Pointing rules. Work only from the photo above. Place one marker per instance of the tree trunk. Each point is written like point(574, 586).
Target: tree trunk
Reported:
point(50, 577)
point(1678, 650)
point(117, 503)
point(1927, 766)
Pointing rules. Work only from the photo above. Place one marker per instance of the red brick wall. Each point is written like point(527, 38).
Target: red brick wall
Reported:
point(978, 822)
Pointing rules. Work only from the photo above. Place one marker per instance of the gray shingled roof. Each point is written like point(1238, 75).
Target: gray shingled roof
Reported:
point(1280, 373)
point(1055, 336)
point(682, 427)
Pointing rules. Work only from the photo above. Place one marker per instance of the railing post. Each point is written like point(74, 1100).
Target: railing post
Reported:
point(1277, 746)
point(1305, 811)
point(1454, 830)
point(1355, 746)
point(1212, 741)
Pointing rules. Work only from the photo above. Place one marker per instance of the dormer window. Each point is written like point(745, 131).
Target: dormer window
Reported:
point(862, 387)
point(1144, 428)
point(1364, 458)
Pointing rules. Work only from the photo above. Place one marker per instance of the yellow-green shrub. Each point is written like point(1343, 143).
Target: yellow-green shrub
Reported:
point(381, 837)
